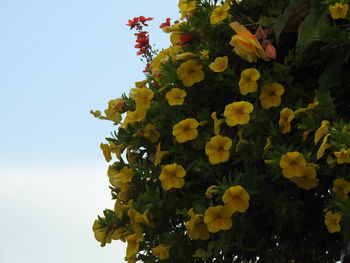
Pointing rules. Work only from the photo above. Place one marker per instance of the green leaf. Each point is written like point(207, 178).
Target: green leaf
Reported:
point(332, 73)
point(265, 21)
point(201, 253)
point(311, 29)
point(282, 20)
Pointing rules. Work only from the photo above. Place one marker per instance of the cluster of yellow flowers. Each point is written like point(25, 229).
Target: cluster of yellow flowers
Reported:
point(295, 168)
point(216, 218)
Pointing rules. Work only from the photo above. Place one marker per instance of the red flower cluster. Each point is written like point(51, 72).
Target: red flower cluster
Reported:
point(137, 21)
point(142, 42)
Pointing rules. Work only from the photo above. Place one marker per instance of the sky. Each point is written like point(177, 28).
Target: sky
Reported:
point(59, 60)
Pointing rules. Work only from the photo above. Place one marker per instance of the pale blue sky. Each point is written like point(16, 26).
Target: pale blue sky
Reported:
point(58, 60)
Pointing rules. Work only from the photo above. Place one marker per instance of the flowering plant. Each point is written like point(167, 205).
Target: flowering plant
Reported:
point(236, 146)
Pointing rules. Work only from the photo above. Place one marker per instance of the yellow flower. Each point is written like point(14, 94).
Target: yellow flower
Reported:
point(173, 51)
point(210, 191)
point(324, 146)
point(106, 234)
point(97, 114)
point(219, 64)
point(309, 107)
point(322, 131)
point(150, 133)
point(114, 109)
point(332, 222)
point(118, 177)
point(131, 155)
point(271, 95)
point(186, 130)
point(136, 218)
point(338, 10)
point(141, 84)
point(195, 227)
point(185, 55)
point(247, 83)
point(175, 27)
point(204, 54)
point(171, 176)
point(161, 251)
point(125, 191)
point(220, 13)
point(268, 145)
point(245, 44)
point(292, 164)
point(286, 116)
point(308, 180)
point(241, 141)
point(217, 123)
point(101, 233)
point(186, 7)
point(217, 218)
point(341, 188)
point(175, 96)
point(161, 58)
point(190, 72)
point(117, 149)
point(218, 148)
point(159, 155)
point(343, 156)
point(236, 199)
point(106, 151)
point(120, 206)
point(238, 113)
point(134, 116)
point(133, 244)
point(175, 38)
point(142, 97)
point(119, 234)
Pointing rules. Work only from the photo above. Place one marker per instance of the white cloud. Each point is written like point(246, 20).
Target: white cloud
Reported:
point(47, 214)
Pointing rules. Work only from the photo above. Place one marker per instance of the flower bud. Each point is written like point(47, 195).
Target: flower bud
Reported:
point(270, 51)
point(210, 191)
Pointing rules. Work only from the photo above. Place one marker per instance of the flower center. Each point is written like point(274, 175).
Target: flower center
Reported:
point(186, 128)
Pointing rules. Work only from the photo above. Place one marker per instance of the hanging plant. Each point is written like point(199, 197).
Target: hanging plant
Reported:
point(236, 146)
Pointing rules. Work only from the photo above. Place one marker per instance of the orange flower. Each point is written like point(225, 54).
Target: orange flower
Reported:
point(246, 45)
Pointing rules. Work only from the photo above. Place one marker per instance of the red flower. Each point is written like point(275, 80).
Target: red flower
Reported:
point(185, 38)
point(167, 23)
point(144, 19)
point(141, 34)
point(132, 23)
point(142, 42)
point(146, 70)
point(142, 50)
